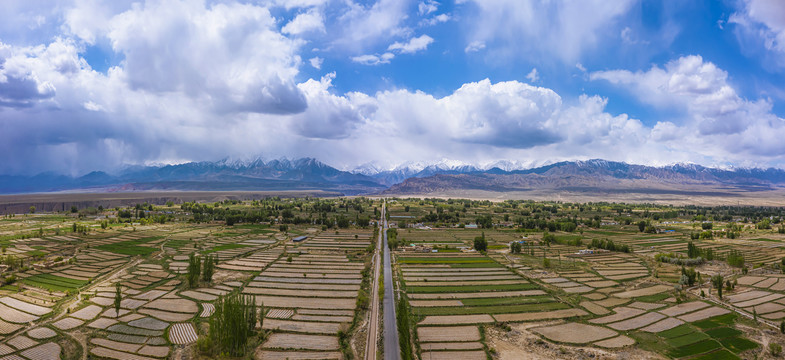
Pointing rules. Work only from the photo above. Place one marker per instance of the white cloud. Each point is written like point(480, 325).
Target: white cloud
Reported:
point(533, 76)
point(373, 59)
point(437, 19)
point(291, 4)
point(761, 22)
point(328, 116)
point(474, 46)
point(712, 109)
point(427, 7)
point(628, 37)
point(412, 46)
point(547, 29)
point(770, 14)
point(316, 62)
point(231, 55)
point(360, 27)
point(306, 22)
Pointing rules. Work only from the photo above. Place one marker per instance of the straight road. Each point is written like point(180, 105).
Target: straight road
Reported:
point(373, 323)
point(392, 350)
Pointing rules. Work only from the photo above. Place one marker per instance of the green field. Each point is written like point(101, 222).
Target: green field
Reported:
point(458, 260)
point(53, 282)
point(472, 310)
point(131, 247)
point(473, 288)
point(225, 247)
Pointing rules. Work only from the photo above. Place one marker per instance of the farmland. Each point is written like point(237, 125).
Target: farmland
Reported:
point(600, 279)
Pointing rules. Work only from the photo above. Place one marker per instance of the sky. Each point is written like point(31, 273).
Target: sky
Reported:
point(101, 85)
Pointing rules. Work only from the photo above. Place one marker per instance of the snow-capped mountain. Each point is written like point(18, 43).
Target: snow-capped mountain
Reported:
point(414, 170)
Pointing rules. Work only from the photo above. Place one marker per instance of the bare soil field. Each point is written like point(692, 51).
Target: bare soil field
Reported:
point(453, 333)
point(575, 333)
point(301, 342)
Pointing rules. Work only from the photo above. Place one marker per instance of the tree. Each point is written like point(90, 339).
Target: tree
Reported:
point(480, 244)
point(690, 275)
point(641, 225)
point(234, 322)
point(194, 265)
point(515, 247)
point(692, 250)
point(548, 238)
point(717, 281)
point(118, 298)
point(209, 269)
point(32, 209)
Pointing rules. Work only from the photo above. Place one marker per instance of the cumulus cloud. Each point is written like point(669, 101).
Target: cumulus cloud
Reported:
point(306, 22)
point(761, 22)
point(699, 87)
point(371, 59)
point(412, 46)
point(316, 62)
point(713, 110)
point(362, 26)
point(328, 116)
point(545, 28)
point(230, 55)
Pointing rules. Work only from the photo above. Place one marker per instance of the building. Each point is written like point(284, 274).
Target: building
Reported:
point(299, 238)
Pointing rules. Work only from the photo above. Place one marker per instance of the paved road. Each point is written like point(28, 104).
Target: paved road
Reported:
point(373, 323)
point(391, 348)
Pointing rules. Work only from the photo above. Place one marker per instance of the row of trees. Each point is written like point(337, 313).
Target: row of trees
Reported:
point(196, 267)
point(609, 245)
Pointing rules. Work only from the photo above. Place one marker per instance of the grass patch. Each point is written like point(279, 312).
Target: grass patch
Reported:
point(225, 247)
point(473, 310)
point(53, 282)
point(123, 249)
point(478, 265)
point(686, 339)
point(676, 332)
point(445, 260)
point(718, 355)
point(507, 300)
point(738, 344)
point(723, 332)
point(648, 244)
point(131, 247)
point(695, 348)
point(473, 288)
point(654, 298)
point(176, 244)
point(717, 321)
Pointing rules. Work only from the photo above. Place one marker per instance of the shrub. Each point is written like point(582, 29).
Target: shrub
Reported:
point(775, 349)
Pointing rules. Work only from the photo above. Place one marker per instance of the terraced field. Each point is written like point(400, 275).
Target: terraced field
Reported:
point(311, 295)
point(451, 295)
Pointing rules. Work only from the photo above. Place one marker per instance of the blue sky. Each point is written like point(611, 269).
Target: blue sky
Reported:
point(98, 85)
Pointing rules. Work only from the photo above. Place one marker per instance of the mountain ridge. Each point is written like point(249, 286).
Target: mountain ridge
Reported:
point(409, 178)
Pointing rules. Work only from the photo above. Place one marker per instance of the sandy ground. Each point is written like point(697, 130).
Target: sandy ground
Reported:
point(520, 343)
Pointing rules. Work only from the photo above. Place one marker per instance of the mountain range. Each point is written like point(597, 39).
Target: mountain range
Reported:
point(407, 179)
